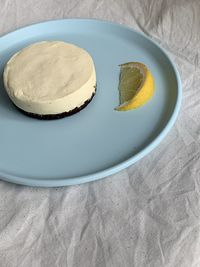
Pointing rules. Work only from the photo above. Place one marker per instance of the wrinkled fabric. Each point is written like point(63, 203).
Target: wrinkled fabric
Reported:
point(145, 216)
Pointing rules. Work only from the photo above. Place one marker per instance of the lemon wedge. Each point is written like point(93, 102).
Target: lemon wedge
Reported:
point(136, 85)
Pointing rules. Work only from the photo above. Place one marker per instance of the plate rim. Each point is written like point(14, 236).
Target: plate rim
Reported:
point(56, 182)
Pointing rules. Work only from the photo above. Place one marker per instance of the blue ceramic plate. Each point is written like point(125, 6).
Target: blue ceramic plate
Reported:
point(98, 141)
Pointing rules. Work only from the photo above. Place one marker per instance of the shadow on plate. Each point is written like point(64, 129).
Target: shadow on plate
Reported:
point(165, 117)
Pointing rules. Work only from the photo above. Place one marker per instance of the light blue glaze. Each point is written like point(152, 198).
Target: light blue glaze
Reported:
point(98, 141)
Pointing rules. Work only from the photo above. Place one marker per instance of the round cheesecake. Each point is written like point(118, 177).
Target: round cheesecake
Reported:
point(50, 79)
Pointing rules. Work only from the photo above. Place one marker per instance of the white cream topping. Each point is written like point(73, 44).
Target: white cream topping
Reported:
point(50, 77)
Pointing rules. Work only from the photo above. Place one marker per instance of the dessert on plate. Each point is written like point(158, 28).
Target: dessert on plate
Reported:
point(50, 79)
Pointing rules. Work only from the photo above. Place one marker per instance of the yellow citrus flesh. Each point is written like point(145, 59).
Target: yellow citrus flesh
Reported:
point(136, 86)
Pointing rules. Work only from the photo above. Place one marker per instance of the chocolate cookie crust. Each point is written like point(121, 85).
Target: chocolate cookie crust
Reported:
point(57, 116)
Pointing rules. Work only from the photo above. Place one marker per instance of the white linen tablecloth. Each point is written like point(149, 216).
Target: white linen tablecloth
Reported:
point(145, 216)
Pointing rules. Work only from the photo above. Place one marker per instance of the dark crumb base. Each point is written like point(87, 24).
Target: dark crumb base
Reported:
point(57, 116)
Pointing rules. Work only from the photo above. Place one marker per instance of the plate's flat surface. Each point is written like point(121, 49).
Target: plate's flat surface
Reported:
point(98, 141)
